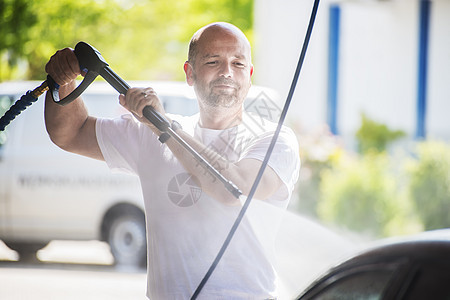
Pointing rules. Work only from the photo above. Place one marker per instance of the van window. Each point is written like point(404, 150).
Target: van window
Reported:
point(103, 105)
point(179, 105)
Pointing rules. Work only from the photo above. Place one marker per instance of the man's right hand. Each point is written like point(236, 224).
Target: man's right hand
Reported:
point(63, 66)
point(69, 127)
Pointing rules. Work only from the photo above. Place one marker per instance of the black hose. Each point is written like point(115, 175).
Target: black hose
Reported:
point(267, 156)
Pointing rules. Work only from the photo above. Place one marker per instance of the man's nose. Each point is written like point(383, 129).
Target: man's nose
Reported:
point(226, 70)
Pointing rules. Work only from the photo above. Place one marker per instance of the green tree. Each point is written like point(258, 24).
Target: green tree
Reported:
point(34, 30)
point(140, 39)
point(16, 16)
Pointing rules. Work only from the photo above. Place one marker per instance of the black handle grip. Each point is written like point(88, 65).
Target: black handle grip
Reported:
point(156, 118)
point(91, 61)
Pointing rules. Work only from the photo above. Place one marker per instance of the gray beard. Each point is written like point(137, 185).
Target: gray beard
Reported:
point(218, 100)
point(223, 100)
point(215, 100)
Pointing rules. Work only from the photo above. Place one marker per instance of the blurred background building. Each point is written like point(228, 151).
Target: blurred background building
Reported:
point(387, 59)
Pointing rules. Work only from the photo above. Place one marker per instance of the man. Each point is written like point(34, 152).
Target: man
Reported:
point(185, 234)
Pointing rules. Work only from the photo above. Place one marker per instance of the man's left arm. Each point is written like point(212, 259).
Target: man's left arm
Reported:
point(241, 173)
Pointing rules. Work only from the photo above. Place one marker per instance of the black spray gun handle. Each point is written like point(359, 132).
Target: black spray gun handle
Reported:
point(92, 62)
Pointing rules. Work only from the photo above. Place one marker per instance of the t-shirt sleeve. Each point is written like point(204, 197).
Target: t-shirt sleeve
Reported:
point(284, 160)
point(121, 141)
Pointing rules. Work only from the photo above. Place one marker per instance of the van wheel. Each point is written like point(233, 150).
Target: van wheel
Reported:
point(26, 251)
point(127, 239)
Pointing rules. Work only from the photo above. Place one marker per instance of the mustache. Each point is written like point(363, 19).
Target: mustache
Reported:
point(224, 81)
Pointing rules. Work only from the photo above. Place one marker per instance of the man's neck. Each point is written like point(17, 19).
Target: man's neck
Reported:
point(220, 117)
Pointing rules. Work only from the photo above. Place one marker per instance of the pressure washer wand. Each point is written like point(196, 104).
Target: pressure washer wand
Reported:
point(164, 126)
point(92, 62)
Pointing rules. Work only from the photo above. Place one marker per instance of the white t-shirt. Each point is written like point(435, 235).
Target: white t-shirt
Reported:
point(185, 227)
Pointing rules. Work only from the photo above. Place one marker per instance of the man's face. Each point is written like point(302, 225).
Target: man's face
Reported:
point(221, 72)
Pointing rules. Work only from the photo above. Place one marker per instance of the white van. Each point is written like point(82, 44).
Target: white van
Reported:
point(49, 194)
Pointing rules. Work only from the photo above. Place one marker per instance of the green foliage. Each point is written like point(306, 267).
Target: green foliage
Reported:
point(16, 16)
point(375, 192)
point(373, 136)
point(140, 39)
point(430, 184)
point(364, 194)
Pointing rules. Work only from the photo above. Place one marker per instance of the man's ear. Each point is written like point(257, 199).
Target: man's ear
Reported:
point(251, 71)
point(189, 73)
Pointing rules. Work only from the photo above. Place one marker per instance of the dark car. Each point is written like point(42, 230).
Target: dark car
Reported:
point(417, 268)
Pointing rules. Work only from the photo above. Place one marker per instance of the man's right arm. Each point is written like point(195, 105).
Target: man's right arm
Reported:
point(69, 127)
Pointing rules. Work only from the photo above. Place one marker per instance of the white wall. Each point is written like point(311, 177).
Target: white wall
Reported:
point(377, 64)
point(378, 61)
point(280, 27)
point(438, 122)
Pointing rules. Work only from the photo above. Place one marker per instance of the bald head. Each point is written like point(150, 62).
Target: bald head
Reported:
point(219, 68)
point(209, 32)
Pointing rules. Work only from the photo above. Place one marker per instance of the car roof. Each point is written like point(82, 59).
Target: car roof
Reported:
point(431, 246)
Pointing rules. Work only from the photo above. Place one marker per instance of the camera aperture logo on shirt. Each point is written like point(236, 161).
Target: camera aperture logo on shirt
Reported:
point(183, 191)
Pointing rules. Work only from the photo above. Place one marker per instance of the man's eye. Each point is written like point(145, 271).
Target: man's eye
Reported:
point(239, 64)
point(211, 62)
